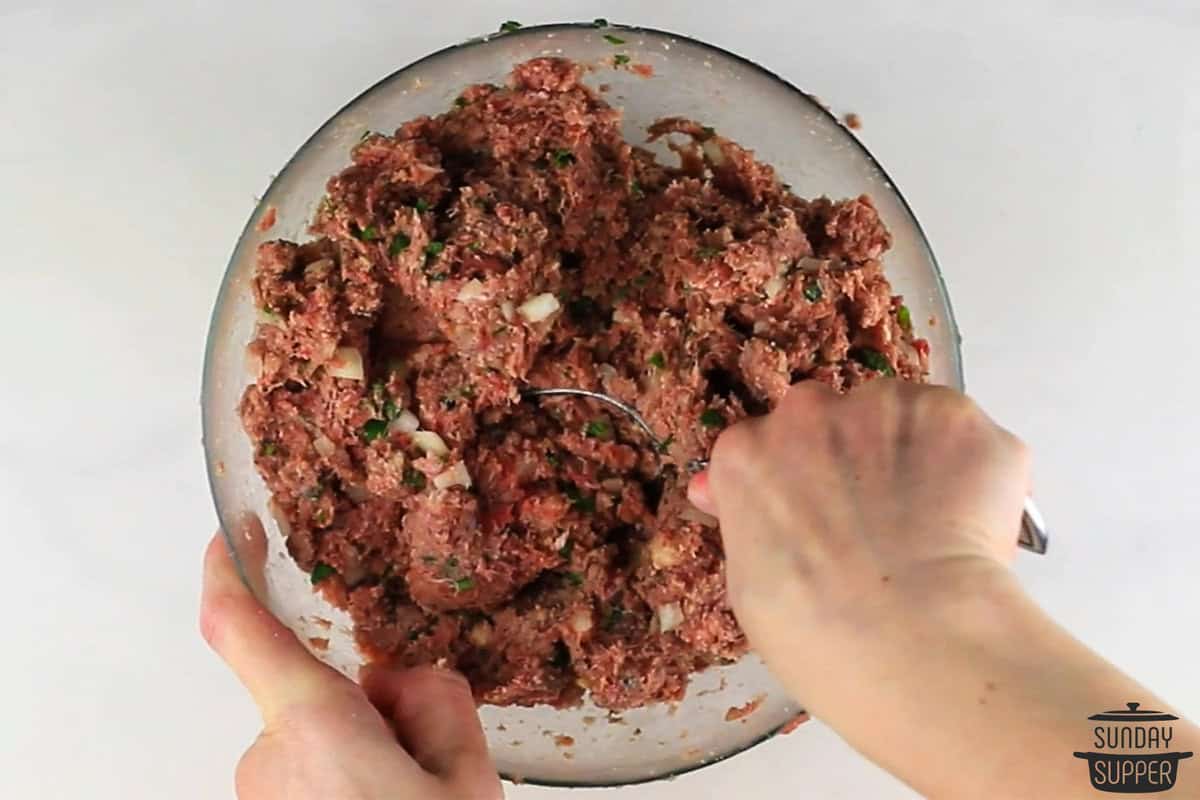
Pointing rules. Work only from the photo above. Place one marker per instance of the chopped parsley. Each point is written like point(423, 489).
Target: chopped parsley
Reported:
point(461, 102)
point(904, 317)
point(579, 501)
point(463, 584)
point(270, 449)
point(369, 234)
point(322, 571)
point(599, 22)
point(711, 418)
point(635, 189)
point(315, 492)
point(434, 249)
point(390, 409)
point(437, 277)
point(598, 429)
point(613, 618)
point(365, 135)
point(553, 458)
point(873, 359)
point(429, 558)
point(510, 26)
point(620, 59)
point(400, 243)
point(374, 429)
point(422, 205)
point(642, 280)
point(665, 444)
point(709, 131)
point(321, 516)
point(708, 252)
point(568, 548)
point(413, 478)
point(574, 578)
point(563, 157)
point(475, 247)
point(608, 37)
point(658, 360)
point(812, 292)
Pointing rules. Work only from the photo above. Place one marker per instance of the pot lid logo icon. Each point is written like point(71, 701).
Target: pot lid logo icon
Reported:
point(1132, 751)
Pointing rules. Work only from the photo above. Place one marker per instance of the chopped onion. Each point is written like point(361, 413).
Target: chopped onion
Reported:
point(455, 476)
point(254, 359)
point(285, 527)
point(346, 363)
point(621, 316)
point(581, 621)
point(317, 270)
point(773, 287)
point(480, 634)
point(397, 461)
point(662, 555)
point(269, 318)
point(538, 308)
point(405, 422)
point(670, 615)
point(712, 149)
point(761, 326)
point(324, 445)
point(606, 371)
point(507, 311)
point(471, 291)
point(431, 443)
point(693, 514)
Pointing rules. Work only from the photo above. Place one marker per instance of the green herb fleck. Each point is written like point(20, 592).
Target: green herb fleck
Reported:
point(315, 492)
point(510, 26)
point(437, 277)
point(658, 361)
point(904, 317)
point(434, 249)
point(369, 234)
point(322, 571)
point(374, 429)
point(580, 501)
point(475, 247)
point(390, 409)
point(451, 562)
point(463, 585)
point(873, 359)
point(365, 135)
point(269, 449)
point(709, 131)
point(665, 444)
point(422, 205)
point(560, 659)
point(635, 189)
point(553, 459)
point(574, 578)
point(598, 429)
point(613, 618)
point(620, 59)
point(461, 102)
point(642, 280)
point(708, 252)
point(599, 22)
point(608, 37)
point(568, 548)
point(812, 292)
point(400, 243)
point(711, 418)
point(414, 479)
point(563, 157)
point(429, 558)
point(321, 516)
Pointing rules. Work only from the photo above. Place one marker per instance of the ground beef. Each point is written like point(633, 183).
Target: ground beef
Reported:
point(515, 241)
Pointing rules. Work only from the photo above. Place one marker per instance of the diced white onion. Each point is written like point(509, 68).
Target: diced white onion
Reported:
point(431, 443)
point(621, 316)
point(455, 476)
point(712, 149)
point(480, 634)
point(397, 461)
point(346, 363)
point(693, 514)
point(254, 360)
point(606, 371)
point(761, 326)
point(317, 270)
point(507, 311)
point(324, 445)
point(662, 555)
point(773, 287)
point(538, 308)
point(471, 291)
point(581, 621)
point(670, 616)
point(405, 422)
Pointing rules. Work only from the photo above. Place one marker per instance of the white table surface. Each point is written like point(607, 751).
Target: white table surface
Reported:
point(1050, 150)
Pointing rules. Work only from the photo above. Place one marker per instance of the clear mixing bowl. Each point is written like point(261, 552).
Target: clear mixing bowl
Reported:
point(786, 128)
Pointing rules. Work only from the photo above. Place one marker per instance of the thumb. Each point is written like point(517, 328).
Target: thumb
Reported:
point(435, 720)
point(700, 495)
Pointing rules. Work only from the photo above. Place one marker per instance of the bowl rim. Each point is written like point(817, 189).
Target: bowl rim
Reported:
point(531, 31)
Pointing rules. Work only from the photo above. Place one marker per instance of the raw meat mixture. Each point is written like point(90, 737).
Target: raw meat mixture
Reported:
point(518, 241)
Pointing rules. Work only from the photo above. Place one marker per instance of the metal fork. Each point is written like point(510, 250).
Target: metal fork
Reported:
point(1033, 536)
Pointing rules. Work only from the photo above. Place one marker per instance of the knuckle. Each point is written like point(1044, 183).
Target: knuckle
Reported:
point(215, 613)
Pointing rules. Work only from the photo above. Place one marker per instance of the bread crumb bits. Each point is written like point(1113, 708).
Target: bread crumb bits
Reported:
point(268, 220)
point(318, 643)
point(793, 723)
point(852, 120)
point(562, 740)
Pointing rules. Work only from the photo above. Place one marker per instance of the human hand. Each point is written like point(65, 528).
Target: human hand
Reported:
point(403, 734)
point(844, 514)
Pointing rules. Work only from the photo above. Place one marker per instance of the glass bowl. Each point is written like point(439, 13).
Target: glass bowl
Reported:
point(786, 128)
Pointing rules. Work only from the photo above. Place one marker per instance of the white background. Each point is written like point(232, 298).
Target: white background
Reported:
point(1050, 150)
